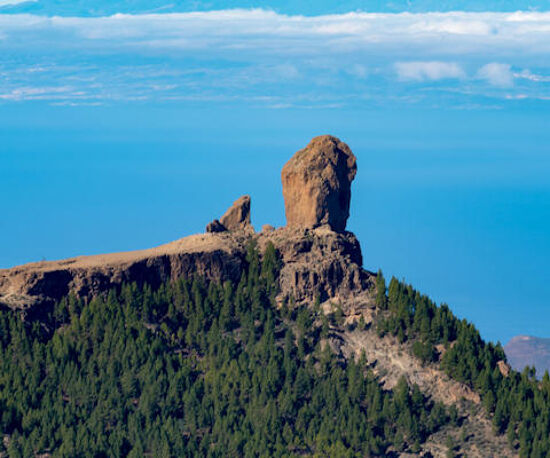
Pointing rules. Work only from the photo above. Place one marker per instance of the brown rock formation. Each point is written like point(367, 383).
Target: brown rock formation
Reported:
point(317, 184)
point(318, 263)
point(32, 286)
point(238, 215)
point(504, 368)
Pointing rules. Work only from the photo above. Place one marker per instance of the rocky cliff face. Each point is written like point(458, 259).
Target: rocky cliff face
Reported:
point(317, 264)
point(33, 286)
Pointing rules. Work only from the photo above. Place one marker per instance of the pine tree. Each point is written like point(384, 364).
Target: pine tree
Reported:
point(381, 300)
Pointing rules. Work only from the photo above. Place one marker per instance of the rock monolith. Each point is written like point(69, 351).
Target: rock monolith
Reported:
point(317, 184)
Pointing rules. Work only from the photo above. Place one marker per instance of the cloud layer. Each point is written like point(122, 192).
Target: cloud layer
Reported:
point(428, 71)
point(497, 74)
point(267, 58)
point(99, 8)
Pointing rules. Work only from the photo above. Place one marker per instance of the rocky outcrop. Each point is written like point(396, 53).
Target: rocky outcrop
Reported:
point(319, 263)
point(215, 226)
point(237, 217)
point(504, 368)
point(317, 184)
point(38, 285)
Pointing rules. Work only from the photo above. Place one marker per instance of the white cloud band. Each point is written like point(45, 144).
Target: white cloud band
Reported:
point(497, 74)
point(447, 33)
point(264, 56)
point(428, 71)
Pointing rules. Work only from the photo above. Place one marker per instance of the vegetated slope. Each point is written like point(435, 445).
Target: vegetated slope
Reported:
point(518, 403)
point(217, 354)
point(197, 369)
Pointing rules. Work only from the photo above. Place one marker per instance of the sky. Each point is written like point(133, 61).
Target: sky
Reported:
point(124, 125)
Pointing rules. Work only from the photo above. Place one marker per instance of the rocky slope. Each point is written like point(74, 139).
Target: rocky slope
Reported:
point(473, 436)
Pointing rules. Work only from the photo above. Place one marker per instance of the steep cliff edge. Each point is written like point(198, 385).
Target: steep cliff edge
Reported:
point(317, 264)
point(28, 287)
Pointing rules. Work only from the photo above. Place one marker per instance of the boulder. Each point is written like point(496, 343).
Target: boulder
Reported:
point(317, 184)
point(238, 215)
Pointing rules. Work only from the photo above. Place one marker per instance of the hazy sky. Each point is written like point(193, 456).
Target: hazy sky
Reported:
point(125, 131)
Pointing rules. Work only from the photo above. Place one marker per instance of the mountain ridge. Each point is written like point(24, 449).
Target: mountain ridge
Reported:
point(319, 260)
point(317, 263)
point(307, 278)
